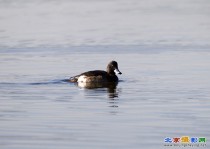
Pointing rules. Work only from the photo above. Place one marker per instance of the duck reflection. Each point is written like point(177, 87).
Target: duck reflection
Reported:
point(110, 86)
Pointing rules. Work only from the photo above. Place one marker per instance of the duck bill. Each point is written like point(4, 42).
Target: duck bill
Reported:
point(118, 71)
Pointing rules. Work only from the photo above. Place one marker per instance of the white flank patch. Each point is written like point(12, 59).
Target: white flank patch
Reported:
point(82, 79)
point(82, 84)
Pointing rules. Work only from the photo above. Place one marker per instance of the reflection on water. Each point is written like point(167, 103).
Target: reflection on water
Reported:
point(111, 87)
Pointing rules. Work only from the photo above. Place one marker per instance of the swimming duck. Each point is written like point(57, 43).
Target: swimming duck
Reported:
point(98, 75)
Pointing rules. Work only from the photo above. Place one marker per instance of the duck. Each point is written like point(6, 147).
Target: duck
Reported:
point(99, 76)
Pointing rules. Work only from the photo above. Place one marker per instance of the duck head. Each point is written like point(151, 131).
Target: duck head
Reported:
point(113, 66)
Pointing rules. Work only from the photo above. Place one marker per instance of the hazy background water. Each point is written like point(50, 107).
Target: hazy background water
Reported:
point(163, 51)
point(103, 22)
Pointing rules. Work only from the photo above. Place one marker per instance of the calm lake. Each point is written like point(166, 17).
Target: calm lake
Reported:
point(162, 49)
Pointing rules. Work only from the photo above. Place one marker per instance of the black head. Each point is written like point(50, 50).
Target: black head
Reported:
point(112, 66)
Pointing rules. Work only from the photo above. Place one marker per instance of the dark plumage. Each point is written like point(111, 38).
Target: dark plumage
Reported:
point(98, 75)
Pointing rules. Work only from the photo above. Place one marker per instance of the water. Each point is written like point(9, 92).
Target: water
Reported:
point(163, 91)
point(28, 23)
